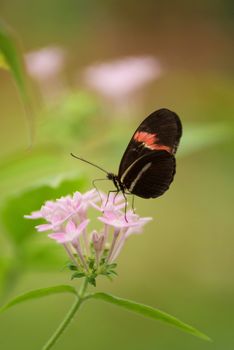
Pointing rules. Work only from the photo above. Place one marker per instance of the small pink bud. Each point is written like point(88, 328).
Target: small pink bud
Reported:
point(98, 241)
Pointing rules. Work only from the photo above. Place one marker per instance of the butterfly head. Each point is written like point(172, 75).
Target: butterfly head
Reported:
point(111, 176)
point(114, 178)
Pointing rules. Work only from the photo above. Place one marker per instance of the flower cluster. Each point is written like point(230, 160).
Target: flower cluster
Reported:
point(92, 253)
point(46, 66)
point(45, 63)
point(122, 77)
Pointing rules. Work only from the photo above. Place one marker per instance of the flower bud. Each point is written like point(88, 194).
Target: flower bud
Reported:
point(98, 241)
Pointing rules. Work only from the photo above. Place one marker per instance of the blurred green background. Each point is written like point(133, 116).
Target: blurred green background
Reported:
point(183, 263)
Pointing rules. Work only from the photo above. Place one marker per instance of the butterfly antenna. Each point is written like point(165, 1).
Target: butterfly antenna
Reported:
point(86, 161)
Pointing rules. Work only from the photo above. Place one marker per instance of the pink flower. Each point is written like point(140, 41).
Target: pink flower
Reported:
point(45, 63)
point(111, 203)
point(70, 233)
point(67, 220)
point(46, 67)
point(118, 219)
point(58, 212)
point(119, 79)
point(124, 225)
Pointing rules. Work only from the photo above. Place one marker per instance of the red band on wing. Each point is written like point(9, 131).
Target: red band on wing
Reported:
point(150, 141)
point(147, 138)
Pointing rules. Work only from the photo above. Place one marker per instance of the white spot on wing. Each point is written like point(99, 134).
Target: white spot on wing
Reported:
point(143, 170)
point(129, 168)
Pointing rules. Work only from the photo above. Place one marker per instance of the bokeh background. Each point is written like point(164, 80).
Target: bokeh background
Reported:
point(95, 70)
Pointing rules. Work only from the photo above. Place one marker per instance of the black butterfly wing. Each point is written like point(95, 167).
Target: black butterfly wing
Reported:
point(161, 130)
point(150, 175)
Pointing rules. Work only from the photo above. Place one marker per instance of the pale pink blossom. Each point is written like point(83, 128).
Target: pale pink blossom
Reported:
point(46, 67)
point(34, 215)
point(70, 233)
point(118, 219)
point(45, 63)
point(57, 212)
point(121, 78)
point(67, 222)
point(111, 203)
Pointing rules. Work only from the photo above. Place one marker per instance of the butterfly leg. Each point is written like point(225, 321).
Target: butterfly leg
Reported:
point(125, 207)
point(117, 192)
point(108, 195)
point(133, 202)
point(94, 185)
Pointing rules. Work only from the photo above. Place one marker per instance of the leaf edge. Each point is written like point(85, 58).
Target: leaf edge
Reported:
point(150, 312)
point(38, 293)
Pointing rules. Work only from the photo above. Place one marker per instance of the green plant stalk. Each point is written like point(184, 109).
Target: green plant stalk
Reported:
point(70, 315)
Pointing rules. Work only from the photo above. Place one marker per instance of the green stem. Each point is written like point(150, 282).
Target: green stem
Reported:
point(70, 315)
point(83, 288)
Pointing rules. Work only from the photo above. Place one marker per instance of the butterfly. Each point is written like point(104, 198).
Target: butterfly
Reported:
point(148, 165)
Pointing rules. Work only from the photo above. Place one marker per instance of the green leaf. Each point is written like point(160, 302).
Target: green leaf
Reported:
point(77, 275)
point(112, 272)
point(71, 266)
point(91, 262)
point(72, 120)
point(150, 312)
point(112, 266)
point(39, 293)
point(92, 280)
point(39, 254)
point(3, 63)
point(22, 170)
point(20, 229)
point(199, 136)
point(11, 59)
